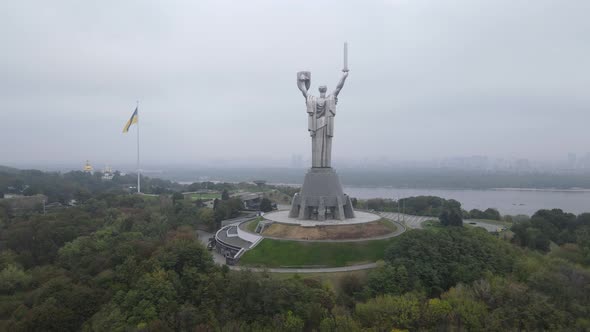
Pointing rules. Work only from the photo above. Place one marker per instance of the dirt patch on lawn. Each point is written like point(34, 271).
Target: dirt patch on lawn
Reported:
point(331, 232)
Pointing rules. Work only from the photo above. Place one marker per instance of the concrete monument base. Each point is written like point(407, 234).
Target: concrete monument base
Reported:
point(282, 217)
point(321, 197)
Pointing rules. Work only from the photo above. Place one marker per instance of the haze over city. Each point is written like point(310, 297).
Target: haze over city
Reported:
point(216, 80)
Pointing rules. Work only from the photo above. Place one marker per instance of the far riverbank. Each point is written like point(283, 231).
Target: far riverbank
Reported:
point(506, 200)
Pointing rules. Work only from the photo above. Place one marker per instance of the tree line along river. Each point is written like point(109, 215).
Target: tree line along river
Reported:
point(507, 201)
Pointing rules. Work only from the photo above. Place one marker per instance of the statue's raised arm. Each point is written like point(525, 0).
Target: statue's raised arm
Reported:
point(340, 83)
point(303, 82)
point(344, 71)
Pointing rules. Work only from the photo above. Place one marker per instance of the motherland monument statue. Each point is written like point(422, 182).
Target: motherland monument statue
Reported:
point(321, 196)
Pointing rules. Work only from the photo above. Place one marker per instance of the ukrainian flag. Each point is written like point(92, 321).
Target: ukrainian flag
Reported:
point(134, 118)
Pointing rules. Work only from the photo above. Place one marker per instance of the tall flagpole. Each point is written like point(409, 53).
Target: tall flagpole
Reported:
point(138, 170)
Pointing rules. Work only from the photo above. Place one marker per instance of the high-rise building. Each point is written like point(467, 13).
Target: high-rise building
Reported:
point(571, 160)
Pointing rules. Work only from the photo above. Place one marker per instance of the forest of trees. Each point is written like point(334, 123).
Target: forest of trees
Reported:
point(123, 262)
point(570, 232)
point(62, 187)
point(431, 206)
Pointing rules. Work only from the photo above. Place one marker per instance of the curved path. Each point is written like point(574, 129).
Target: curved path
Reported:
point(307, 270)
point(221, 260)
point(400, 228)
point(416, 222)
point(411, 221)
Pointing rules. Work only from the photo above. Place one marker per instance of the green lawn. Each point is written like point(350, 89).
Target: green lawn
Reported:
point(205, 197)
point(391, 226)
point(251, 225)
point(276, 253)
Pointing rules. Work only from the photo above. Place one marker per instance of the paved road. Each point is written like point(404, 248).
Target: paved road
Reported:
point(238, 220)
point(413, 222)
point(487, 226)
point(310, 270)
point(220, 260)
point(204, 239)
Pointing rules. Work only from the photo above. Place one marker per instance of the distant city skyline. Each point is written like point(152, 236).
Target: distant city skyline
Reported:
point(570, 162)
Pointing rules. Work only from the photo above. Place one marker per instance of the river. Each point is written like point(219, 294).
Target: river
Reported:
point(507, 201)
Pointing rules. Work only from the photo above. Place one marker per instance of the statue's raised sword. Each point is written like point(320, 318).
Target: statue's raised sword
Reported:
point(345, 69)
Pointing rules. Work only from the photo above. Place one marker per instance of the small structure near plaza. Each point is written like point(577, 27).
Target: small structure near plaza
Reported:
point(231, 242)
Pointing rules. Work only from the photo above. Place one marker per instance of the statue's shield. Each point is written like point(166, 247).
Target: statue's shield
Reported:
point(305, 78)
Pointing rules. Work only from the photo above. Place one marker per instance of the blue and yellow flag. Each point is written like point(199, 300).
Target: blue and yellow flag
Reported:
point(134, 118)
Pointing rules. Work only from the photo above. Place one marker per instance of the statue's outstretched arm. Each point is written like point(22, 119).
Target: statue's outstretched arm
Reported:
point(340, 84)
point(301, 86)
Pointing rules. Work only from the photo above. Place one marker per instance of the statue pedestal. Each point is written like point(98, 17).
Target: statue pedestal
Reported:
point(321, 197)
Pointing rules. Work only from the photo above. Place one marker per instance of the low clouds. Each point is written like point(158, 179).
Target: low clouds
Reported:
point(216, 79)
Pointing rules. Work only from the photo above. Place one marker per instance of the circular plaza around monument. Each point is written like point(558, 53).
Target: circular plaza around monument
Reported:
point(321, 246)
point(282, 217)
point(363, 227)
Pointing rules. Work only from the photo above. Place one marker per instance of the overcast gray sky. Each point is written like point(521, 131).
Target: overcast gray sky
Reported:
point(216, 79)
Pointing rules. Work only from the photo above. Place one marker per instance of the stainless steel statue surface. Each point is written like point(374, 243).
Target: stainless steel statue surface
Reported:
point(321, 196)
point(321, 111)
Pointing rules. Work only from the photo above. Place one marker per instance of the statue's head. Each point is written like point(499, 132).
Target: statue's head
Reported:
point(323, 89)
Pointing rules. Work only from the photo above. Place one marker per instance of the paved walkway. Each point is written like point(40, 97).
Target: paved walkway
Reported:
point(238, 220)
point(282, 217)
point(486, 225)
point(307, 270)
point(204, 239)
point(220, 260)
point(413, 222)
